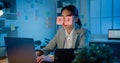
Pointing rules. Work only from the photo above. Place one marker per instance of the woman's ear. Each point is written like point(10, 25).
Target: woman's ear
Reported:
point(76, 19)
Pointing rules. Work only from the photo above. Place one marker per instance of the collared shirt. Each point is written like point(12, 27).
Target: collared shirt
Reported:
point(68, 40)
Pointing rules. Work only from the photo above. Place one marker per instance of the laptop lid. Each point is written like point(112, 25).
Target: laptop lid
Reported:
point(64, 55)
point(114, 34)
point(20, 50)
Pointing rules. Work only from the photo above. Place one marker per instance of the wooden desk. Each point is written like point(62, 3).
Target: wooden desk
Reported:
point(3, 60)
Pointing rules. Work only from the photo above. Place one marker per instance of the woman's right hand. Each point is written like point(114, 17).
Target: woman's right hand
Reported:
point(40, 58)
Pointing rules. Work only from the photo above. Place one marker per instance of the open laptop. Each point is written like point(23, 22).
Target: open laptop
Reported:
point(20, 50)
point(64, 55)
point(114, 34)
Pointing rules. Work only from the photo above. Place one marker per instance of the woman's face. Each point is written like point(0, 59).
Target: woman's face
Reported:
point(65, 13)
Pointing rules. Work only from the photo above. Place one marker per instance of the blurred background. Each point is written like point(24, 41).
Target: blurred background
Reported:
point(37, 19)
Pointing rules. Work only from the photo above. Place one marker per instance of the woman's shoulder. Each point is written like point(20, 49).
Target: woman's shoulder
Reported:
point(81, 29)
point(61, 29)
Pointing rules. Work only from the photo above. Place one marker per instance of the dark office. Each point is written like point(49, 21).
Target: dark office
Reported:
point(59, 31)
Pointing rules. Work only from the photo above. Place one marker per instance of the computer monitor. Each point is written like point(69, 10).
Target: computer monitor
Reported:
point(114, 34)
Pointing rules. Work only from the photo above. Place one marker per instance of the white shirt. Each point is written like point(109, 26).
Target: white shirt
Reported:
point(68, 40)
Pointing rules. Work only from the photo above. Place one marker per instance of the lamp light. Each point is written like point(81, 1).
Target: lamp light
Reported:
point(1, 7)
point(1, 12)
point(4, 5)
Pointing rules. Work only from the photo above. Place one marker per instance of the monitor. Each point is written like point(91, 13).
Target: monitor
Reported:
point(114, 34)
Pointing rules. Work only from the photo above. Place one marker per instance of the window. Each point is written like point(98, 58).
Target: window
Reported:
point(104, 15)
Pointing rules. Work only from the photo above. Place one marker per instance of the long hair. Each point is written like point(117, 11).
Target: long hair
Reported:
point(74, 11)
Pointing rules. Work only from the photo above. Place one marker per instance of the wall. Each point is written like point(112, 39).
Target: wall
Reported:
point(84, 13)
point(36, 19)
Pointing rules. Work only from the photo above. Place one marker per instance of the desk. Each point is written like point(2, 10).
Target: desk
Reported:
point(3, 60)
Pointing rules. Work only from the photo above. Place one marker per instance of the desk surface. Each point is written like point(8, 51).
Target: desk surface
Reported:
point(105, 40)
point(5, 60)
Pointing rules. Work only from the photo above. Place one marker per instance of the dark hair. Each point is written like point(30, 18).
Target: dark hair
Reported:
point(74, 11)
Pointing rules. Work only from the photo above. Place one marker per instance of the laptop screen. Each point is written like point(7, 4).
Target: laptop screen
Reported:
point(64, 55)
point(114, 34)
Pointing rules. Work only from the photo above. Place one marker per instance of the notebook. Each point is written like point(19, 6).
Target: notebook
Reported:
point(64, 55)
point(20, 50)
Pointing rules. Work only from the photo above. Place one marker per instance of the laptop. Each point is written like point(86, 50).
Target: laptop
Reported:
point(20, 50)
point(114, 34)
point(64, 55)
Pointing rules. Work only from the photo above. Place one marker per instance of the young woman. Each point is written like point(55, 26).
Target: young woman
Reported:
point(69, 36)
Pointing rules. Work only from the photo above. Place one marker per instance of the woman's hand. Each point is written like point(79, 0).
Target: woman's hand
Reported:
point(42, 58)
point(39, 52)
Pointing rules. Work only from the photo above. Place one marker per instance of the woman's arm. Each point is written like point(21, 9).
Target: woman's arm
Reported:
point(52, 44)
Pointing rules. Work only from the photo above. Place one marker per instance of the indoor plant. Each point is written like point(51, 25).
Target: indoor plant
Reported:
point(94, 54)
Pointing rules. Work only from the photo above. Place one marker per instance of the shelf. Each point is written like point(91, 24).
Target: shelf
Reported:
point(10, 10)
point(7, 29)
point(9, 16)
point(9, 32)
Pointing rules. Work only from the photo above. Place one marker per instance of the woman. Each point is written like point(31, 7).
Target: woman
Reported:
point(69, 36)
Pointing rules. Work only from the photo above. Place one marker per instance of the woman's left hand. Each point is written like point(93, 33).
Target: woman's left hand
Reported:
point(45, 58)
